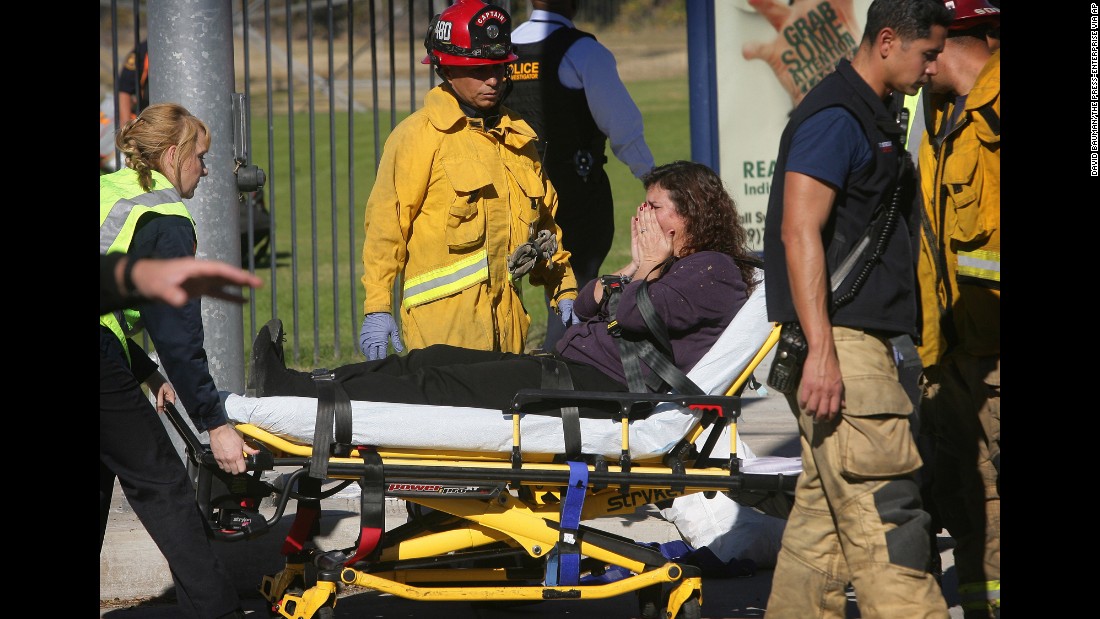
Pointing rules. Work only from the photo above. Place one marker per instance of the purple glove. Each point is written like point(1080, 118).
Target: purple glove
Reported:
point(378, 328)
point(565, 308)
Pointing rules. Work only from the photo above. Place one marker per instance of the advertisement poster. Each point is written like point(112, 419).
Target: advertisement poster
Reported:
point(768, 54)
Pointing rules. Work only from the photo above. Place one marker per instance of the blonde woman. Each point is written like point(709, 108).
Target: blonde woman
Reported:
point(141, 213)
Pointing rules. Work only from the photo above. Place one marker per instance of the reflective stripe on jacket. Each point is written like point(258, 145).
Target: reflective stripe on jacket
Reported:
point(122, 203)
point(446, 280)
point(961, 233)
point(450, 202)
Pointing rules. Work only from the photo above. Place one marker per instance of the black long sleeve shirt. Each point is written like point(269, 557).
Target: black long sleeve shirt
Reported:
point(177, 333)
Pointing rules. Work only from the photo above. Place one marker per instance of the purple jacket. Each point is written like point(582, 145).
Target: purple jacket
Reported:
point(697, 299)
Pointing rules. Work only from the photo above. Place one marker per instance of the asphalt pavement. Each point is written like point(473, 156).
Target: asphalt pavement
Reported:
point(134, 581)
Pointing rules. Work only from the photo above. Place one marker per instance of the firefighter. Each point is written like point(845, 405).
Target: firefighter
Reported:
point(460, 209)
point(857, 516)
point(960, 279)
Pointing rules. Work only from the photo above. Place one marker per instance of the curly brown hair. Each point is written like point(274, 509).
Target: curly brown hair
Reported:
point(712, 223)
point(144, 139)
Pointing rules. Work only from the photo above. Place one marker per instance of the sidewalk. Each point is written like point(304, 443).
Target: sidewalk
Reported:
point(134, 581)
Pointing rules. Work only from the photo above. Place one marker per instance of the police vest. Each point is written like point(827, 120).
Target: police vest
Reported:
point(887, 301)
point(559, 115)
point(122, 203)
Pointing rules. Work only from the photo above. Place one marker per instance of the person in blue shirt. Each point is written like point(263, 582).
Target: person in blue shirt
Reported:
point(565, 84)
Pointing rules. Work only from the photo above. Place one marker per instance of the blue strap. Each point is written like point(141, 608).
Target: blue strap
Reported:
point(568, 564)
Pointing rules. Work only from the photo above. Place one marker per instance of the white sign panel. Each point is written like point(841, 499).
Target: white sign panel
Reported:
point(768, 54)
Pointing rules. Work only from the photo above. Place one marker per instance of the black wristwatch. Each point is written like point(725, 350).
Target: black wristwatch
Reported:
point(128, 288)
point(614, 283)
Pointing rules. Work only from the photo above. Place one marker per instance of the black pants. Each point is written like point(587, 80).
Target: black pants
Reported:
point(439, 375)
point(586, 216)
point(134, 446)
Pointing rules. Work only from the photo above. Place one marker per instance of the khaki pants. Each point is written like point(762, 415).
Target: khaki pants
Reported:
point(857, 515)
point(961, 411)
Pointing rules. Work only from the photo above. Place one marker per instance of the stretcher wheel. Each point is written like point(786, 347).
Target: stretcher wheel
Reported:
point(690, 609)
point(327, 611)
point(297, 586)
point(653, 604)
point(649, 600)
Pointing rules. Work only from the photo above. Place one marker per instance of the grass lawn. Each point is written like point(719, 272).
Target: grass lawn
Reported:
point(314, 286)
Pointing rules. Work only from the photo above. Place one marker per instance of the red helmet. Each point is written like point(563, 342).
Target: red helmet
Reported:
point(970, 13)
point(470, 32)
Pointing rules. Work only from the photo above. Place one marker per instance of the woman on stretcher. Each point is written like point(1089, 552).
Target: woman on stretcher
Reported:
point(686, 241)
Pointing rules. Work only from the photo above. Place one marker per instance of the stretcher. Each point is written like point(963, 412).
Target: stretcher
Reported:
point(496, 498)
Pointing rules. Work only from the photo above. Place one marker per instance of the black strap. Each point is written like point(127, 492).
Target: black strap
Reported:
point(372, 508)
point(342, 448)
point(991, 118)
point(709, 417)
point(333, 407)
point(666, 370)
point(632, 368)
point(555, 375)
point(659, 361)
point(662, 364)
point(657, 327)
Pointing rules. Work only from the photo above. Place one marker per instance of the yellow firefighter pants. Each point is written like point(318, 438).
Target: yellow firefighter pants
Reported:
point(857, 515)
point(961, 411)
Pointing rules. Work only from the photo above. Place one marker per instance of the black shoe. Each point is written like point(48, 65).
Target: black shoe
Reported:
point(278, 336)
point(269, 342)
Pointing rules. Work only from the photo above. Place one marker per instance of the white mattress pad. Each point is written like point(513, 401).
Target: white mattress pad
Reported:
point(458, 428)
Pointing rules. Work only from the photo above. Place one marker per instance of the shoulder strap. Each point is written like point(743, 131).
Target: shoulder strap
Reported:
point(632, 369)
point(657, 327)
point(631, 351)
point(991, 118)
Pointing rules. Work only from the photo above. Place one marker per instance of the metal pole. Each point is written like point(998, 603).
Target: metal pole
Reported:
point(702, 84)
point(191, 63)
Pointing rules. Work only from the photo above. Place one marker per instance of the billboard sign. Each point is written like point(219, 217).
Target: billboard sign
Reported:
point(768, 54)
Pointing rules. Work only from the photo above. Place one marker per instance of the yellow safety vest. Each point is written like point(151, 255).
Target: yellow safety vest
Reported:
point(122, 203)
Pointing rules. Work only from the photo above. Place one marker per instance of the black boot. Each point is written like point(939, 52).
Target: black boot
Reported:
point(267, 349)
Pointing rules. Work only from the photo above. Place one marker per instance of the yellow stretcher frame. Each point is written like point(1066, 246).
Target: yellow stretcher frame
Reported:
point(495, 546)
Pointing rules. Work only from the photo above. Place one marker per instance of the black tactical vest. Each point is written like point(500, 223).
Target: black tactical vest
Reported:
point(559, 116)
point(887, 300)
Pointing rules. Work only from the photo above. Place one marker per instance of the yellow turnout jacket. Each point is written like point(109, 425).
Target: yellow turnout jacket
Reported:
point(960, 255)
point(451, 202)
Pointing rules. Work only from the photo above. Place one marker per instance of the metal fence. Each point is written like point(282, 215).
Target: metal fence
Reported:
point(324, 82)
